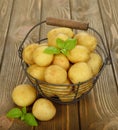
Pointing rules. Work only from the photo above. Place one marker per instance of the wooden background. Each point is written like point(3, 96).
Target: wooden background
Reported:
point(96, 111)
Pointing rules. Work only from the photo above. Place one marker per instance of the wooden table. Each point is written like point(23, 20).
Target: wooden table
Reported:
point(96, 111)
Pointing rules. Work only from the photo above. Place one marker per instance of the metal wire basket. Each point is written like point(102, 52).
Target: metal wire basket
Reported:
point(65, 93)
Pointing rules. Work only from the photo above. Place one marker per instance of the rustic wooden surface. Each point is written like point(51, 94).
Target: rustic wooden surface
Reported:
point(96, 111)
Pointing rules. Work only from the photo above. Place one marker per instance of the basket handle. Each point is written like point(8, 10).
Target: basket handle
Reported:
point(67, 23)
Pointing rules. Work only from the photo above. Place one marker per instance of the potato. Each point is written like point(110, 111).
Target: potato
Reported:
point(55, 74)
point(36, 71)
point(80, 72)
point(41, 58)
point(24, 95)
point(79, 53)
point(62, 33)
point(62, 61)
point(43, 109)
point(27, 53)
point(52, 39)
point(95, 62)
point(86, 39)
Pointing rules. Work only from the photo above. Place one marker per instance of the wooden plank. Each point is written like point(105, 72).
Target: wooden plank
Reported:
point(25, 14)
point(98, 110)
point(109, 12)
point(65, 113)
point(5, 11)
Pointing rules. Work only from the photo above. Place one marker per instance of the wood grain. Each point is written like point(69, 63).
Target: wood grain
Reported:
point(98, 110)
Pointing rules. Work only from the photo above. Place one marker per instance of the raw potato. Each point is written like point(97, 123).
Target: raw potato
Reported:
point(36, 71)
point(43, 109)
point(87, 40)
point(80, 72)
point(95, 62)
point(41, 58)
point(62, 61)
point(27, 53)
point(52, 39)
point(62, 33)
point(55, 74)
point(79, 53)
point(24, 95)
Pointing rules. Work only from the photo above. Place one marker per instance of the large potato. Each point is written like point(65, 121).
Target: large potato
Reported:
point(62, 33)
point(79, 53)
point(24, 95)
point(36, 71)
point(55, 74)
point(43, 109)
point(62, 61)
point(95, 62)
point(41, 58)
point(27, 53)
point(80, 72)
point(86, 39)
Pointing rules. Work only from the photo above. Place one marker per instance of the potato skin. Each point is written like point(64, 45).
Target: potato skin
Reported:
point(95, 62)
point(27, 53)
point(78, 54)
point(43, 109)
point(24, 95)
point(62, 61)
point(55, 74)
point(41, 58)
point(36, 71)
point(80, 72)
point(87, 40)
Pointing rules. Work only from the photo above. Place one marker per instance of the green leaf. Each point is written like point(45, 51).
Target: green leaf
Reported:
point(65, 52)
point(24, 110)
point(60, 43)
point(14, 113)
point(30, 119)
point(52, 50)
point(70, 44)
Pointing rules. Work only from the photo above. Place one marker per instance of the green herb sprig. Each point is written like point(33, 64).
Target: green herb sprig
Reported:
point(23, 115)
point(62, 46)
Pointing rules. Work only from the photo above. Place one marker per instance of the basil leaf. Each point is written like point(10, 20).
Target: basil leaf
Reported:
point(24, 110)
point(65, 52)
point(70, 44)
point(52, 50)
point(30, 119)
point(60, 43)
point(14, 113)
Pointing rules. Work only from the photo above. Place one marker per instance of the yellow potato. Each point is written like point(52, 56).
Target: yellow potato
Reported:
point(79, 53)
point(95, 62)
point(62, 61)
point(62, 33)
point(55, 74)
point(43, 109)
point(27, 53)
point(80, 72)
point(36, 71)
point(86, 39)
point(52, 39)
point(24, 95)
point(41, 58)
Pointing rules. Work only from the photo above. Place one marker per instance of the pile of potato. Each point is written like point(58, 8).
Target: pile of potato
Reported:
point(81, 63)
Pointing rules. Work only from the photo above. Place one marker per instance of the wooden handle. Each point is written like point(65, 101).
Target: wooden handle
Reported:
point(66, 23)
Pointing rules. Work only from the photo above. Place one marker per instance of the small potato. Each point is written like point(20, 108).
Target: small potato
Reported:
point(24, 95)
point(36, 71)
point(95, 62)
point(41, 58)
point(80, 72)
point(62, 61)
point(55, 74)
point(79, 53)
point(52, 39)
point(43, 109)
point(86, 39)
point(27, 53)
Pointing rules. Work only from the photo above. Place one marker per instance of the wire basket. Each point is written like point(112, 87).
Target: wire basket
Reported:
point(63, 93)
